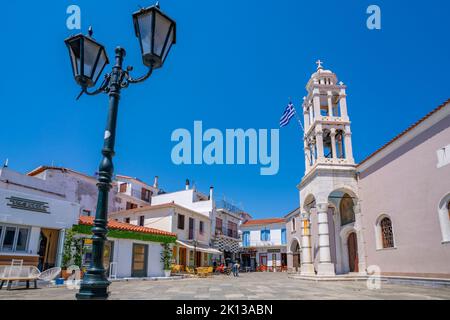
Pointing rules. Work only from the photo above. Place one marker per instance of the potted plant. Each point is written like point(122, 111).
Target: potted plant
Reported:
point(72, 254)
point(166, 259)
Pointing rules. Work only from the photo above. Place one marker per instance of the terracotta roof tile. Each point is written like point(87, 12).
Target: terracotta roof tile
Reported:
point(446, 103)
point(264, 221)
point(112, 224)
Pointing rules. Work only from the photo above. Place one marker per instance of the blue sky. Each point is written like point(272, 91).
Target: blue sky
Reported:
point(234, 66)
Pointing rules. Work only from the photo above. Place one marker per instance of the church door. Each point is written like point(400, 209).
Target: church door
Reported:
point(352, 252)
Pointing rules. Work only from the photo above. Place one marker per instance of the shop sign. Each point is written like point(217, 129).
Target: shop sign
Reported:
point(27, 204)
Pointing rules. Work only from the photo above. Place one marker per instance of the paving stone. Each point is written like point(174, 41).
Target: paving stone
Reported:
point(253, 286)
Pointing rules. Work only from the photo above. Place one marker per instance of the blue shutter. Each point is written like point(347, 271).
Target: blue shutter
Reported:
point(283, 236)
point(246, 238)
point(268, 235)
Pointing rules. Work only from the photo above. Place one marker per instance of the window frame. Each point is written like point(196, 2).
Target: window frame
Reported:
point(265, 235)
point(443, 212)
point(121, 185)
point(201, 227)
point(379, 236)
point(283, 236)
point(141, 221)
point(178, 221)
point(387, 239)
point(246, 238)
point(16, 237)
point(146, 194)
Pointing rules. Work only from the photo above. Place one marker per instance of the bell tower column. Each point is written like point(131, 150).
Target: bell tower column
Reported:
point(326, 267)
point(307, 267)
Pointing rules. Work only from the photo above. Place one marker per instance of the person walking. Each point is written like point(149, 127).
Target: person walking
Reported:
point(236, 267)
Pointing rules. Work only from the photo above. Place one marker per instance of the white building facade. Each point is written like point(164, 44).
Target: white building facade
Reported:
point(130, 251)
point(263, 245)
point(192, 229)
point(33, 218)
point(226, 235)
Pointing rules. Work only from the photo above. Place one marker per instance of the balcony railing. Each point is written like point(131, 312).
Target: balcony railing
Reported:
point(222, 204)
point(227, 232)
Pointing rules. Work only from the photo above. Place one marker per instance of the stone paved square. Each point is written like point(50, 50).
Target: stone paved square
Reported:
point(254, 286)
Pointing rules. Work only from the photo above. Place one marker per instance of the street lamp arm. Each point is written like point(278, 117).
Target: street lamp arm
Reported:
point(104, 88)
point(129, 79)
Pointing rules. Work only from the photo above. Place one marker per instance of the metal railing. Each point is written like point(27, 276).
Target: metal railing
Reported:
point(227, 232)
point(222, 204)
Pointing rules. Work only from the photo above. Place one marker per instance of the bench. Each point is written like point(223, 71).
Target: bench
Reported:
point(25, 274)
point(18, 273)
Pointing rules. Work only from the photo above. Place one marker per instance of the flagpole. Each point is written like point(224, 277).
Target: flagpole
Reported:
point(300, 123)
point(296, 115)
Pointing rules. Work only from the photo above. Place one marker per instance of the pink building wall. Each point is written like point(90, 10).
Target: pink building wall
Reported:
point(406, 185)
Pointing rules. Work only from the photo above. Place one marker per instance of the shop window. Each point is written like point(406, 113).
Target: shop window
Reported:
point(14, 238)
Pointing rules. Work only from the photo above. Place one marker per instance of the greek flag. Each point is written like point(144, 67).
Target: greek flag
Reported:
point(287, 115)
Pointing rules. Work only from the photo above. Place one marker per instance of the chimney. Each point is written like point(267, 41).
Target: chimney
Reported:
point(187, 184)
point(155, 183)
point(211, 189)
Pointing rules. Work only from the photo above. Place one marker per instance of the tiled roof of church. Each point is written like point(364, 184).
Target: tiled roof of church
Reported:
point(442, 106)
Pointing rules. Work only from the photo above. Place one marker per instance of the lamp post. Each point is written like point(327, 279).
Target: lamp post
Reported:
point(195, 243)
point(156, 33)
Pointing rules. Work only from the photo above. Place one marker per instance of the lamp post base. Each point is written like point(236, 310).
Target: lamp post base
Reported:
point(97, 290)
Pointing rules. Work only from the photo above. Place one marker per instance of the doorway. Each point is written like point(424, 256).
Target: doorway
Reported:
point(352, 252)
point(182, 257)
point(263, 260)
point(198, 259)
point(139, 260)
point(48, 246)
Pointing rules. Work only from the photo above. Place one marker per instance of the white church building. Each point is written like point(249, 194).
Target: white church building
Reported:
point(391, 211)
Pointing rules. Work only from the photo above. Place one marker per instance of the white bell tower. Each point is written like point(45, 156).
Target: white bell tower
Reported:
point(327, 139)
point(330, 178)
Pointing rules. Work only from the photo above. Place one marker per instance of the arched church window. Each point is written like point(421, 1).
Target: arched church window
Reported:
point(448, 210)
point(444, 218)
point(387, 235)
point(293, 224)
point(346, 210)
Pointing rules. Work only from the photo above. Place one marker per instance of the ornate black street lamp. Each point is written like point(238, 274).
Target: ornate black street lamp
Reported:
point(156, 33)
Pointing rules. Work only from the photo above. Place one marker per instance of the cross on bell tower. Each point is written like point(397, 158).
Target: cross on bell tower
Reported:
point(319, 64)
point(327, 139)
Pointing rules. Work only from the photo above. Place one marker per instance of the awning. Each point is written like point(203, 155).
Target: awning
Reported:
point(199, 247)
